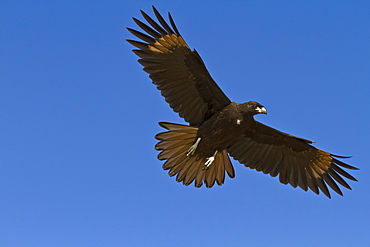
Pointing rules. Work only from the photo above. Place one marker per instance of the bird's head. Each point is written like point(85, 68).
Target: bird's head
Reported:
point(254, 107)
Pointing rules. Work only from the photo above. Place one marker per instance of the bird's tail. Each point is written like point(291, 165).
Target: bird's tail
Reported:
point(174, 145)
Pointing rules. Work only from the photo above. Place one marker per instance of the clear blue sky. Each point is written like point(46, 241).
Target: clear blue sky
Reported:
point(78, 118)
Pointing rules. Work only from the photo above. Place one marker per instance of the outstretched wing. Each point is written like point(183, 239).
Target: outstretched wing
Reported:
point(292, 158)
point(178, 72)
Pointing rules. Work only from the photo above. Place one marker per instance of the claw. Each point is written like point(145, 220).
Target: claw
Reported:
point(193, 147)
point(210, 160)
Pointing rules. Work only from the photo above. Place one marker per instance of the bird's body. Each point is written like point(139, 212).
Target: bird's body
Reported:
point(218, 132)
point(218, 127)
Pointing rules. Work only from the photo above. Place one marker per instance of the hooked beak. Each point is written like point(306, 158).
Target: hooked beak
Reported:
point(261, 110)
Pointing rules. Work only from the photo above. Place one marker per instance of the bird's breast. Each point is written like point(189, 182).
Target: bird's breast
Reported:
point(220, 130)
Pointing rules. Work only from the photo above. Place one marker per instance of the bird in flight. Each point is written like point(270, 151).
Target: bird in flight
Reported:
point(218, 127)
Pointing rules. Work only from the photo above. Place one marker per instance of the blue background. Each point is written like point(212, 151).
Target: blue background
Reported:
point(78, 116)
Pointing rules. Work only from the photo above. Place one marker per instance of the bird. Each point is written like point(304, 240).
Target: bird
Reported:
point(219, 128)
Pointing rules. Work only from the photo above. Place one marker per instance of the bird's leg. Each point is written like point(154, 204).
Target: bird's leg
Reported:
point(193, 147)
point(210, 160)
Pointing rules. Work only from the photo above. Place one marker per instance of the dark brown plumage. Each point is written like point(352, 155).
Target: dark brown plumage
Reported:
point(199, 153)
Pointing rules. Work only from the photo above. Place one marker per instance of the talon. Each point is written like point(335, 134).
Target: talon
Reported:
point(193, 147)
point(210, 160)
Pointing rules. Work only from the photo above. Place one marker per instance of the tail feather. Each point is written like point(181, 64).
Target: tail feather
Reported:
point(220, 174)
point(228, 166)
point(192, 171)
point(173, 161)
point(199, 177)
point(210, 176)
point(177, 168)
point(168, 153)
point(174, 145)
point(181, 175)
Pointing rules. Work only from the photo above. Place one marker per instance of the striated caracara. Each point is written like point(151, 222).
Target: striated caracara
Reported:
point(218, 127)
